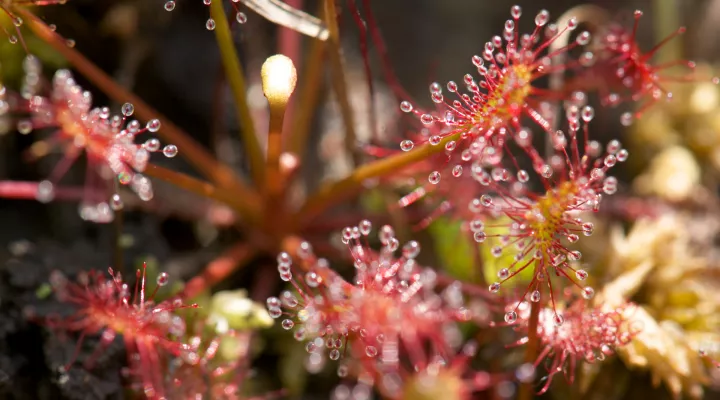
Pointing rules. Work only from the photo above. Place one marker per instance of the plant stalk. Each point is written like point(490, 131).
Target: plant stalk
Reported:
point(236, 79)
point(339, 82)
point(333, 193)
point(307, 99)
point(246, 205)
point(231, 260)
point(191, 150)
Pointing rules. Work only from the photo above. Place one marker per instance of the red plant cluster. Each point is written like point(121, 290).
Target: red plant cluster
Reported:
point(107, 140)
point(588, 333)
point(110, 307)
point(391, 308)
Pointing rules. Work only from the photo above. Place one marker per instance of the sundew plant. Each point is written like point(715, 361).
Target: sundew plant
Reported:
point(313, 226)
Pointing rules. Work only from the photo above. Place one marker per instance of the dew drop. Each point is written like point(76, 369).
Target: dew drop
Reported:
point(152, 144)
point(411, 249)
point(535, 296)
point(581, 274)
point(494, 288)
point(163, 279)
point(210, 24)
point(479, 237)
point(610, 161)
point(435, 88)
point(626, 119)
point(572, 23)
point(434, 177)
point(124, 178)
point(523, 176)
point(407, 145)
point(406, 106)
point(622, 155)
point(287, 324)
point(169, 5)
point(153, 125)
point(503, 273)
point(558, 319)
point(240, 17)
point(457, 171)
point(371, 351)
point(45, 192)
point(365, 227)
point(542, 18)
point(24, 126)
point(116, 202)
point(510, 317)
point(486, 200)
point(583, 38)
point(476, 225)
point(170, 151)
point(127, 109)
point(588, 292)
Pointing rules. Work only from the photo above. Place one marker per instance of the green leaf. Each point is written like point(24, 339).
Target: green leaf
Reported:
point(454, 249)
point(43, 291)
point(492, 265)
point(11, 71)
point(234, 309)
point(293, 374)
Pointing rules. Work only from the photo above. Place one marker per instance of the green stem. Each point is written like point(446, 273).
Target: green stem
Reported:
point(667, 21)
point(236, 79)
point(335, 192)
point(339, 83)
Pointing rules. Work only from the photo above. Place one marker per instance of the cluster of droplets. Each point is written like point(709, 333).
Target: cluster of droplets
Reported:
point(210, 24)
point(480, 121)
point(490, 108)
point(541, 224)
point(203, 370)
point(391, 302)
point(108, 140)
point(111, 307)
point(581, 333)
point(6, 7)
point(629, 71)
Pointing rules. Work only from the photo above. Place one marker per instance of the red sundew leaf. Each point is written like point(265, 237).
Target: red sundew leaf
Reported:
point(488, 113)
point(627, 73)
point(390, 306)
point(107, 141)
point(579, 333)
point(110, 307)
